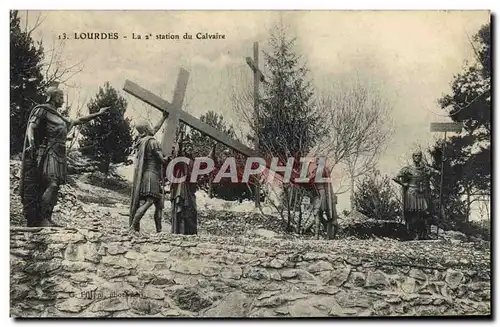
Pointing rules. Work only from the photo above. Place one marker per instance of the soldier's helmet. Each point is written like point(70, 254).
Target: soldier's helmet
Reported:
point(52, 90)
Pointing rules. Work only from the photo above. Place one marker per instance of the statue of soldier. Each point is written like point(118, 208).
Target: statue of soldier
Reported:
point(417, 204)
point(182, 195)
point(147, 187)
point(44, 161)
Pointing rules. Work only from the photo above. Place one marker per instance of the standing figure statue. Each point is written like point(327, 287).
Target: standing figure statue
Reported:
point(147, 187)
point(323, 202)
point(44, 161)
point(182, 195)
point(417, 203)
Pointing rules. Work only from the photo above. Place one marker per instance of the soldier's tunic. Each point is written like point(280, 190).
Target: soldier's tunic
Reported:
point(147, 178)
point(150, 182)
point(51, 151)
point(47, 160)
point(417, 201)
point(418, 191)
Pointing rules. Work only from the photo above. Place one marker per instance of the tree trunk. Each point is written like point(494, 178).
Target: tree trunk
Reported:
point(353, 203)
point(467, 216)
point(211, 177)
point(299, 222)
point(287, 201)
point(210, 187)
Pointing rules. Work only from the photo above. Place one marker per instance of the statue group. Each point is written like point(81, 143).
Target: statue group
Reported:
point(44, 169)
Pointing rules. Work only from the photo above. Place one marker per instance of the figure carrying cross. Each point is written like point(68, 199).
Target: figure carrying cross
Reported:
point(149, 172)
point(182, 197)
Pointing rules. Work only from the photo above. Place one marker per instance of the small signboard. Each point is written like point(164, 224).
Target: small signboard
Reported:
point(446, 127)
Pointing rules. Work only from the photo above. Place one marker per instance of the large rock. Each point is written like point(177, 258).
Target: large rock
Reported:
point(234, 305)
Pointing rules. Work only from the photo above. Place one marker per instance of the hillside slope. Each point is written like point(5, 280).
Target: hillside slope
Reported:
point(241, 265)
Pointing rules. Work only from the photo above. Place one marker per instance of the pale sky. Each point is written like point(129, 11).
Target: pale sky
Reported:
point(411, 56)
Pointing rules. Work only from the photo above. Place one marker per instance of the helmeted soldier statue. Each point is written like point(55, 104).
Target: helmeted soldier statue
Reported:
point(147, 187)
point(417, 204)
point(44, 162)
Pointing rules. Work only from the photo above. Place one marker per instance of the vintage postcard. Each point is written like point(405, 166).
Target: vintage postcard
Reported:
point(250, 164)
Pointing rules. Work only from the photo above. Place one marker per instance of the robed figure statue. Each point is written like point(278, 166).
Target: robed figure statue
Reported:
point(323, 199)
point(182, 193)
point(44, 161)
point(147, 186)
point(323, 202)
point(417, 203)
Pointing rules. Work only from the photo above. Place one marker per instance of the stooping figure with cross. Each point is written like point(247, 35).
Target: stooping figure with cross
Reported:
point(182, 194)
point(149, 174)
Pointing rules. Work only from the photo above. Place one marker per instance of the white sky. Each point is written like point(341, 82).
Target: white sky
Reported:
point(410, 56)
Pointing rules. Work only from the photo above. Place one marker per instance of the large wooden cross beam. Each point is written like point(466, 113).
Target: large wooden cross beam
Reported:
point(176, 114)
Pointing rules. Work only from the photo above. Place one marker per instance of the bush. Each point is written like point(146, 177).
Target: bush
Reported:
point(474, 228)
point(376, 198)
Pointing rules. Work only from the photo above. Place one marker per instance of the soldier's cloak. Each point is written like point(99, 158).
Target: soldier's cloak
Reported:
point(29, 165)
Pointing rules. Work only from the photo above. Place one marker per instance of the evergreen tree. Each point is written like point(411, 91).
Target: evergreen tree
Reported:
point(202, 144)
point(108, 138)
point(467, 169)
point(288, 121)
point(375, 197)
point(26, 80)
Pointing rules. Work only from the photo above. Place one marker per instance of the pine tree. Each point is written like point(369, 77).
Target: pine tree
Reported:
point(288, 120)
point(202, 144)
point(108, 138)
point(26, 80)
point(289, 123)
point(467, 169)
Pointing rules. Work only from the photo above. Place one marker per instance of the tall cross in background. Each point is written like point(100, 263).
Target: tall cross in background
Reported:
point(258, 76)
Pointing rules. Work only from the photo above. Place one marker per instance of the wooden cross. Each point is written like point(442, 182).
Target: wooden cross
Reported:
point(258, 76)
point(176, 114)
point(254, 66)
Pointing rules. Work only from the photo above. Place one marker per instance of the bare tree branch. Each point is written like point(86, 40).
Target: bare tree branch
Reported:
point(360, 126)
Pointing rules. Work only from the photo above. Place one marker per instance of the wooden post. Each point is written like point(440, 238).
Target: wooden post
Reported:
point(257, 77)
point(256, 109)
point(444, 127)
point(441, 211)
